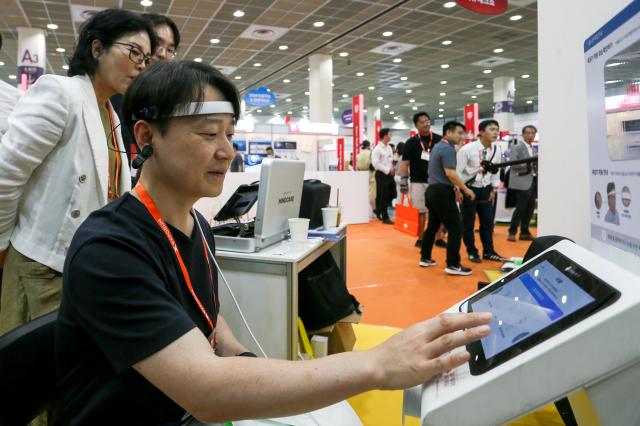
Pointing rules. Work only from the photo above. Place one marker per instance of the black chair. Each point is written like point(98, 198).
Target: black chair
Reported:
point(27, 370)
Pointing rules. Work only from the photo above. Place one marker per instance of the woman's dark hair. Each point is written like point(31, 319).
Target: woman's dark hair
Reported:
point(157, 92)
point(157, 20)
point(107, 26)
point(400, 148)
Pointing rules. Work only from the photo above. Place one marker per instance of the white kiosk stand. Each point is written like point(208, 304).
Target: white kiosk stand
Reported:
point(598, 350)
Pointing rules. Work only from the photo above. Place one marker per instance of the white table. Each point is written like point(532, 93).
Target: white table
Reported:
point(266, 287)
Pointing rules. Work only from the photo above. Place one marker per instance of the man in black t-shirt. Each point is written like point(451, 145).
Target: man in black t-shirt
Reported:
point(140, 338)
point(415, 166)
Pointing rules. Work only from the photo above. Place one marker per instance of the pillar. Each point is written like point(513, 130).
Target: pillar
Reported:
point(373, 115)
point(320, 90)
point(32, 51)
point(504, 95)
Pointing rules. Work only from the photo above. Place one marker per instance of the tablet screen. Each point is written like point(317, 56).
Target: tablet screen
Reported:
point(533, 303)
point(527, 304)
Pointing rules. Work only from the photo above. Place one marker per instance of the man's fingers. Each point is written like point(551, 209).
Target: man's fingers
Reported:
point(450, 341)
point(446, 323)
point(448, 362)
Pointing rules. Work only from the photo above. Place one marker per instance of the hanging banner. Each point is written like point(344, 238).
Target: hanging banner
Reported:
point(32, 51)
point(358, 125)
point(259, 97)
point(347, 117)
point(471, 121)
point(613, 127)
point(485, 7)
point(340, 153)
point(377, 133)
point(412, 133)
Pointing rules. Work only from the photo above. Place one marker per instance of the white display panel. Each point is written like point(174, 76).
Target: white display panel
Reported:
point(612, 60)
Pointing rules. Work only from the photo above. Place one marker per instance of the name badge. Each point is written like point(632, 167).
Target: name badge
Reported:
point(425, 155)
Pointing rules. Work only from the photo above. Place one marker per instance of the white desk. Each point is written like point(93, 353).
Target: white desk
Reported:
point(266, 287)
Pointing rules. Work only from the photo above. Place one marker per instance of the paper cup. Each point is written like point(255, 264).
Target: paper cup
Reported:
point(330, 217)
point(298, 228)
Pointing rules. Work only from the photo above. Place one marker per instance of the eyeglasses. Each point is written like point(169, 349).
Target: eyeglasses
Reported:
point(135, 54)
point(170, 50)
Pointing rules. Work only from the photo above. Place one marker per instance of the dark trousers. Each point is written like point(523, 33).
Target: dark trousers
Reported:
point(385, 185)
point(485, 213)
point(441, 202)
point(525, 204)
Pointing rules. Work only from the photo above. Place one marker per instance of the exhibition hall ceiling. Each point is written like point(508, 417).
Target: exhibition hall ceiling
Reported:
point(408, 54)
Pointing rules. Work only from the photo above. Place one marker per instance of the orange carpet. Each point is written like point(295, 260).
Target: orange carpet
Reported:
point(383, 274)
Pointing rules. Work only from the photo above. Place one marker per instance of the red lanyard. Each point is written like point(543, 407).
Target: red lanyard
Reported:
point(153, 210)
point(430, 141)
point(113, 193)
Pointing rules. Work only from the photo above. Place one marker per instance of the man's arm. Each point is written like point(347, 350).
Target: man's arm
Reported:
point(216, 389)
point(518, 153)
point(452, 175)
point(377, 164)
point(403, 169)
point(228, 344)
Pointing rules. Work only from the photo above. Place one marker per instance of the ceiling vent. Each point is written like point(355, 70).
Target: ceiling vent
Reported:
point(405, 85)
point(493, 61)
point(476, 92)
point(80, 12)
point(263, 32)
point(393, 48)
point(225, 69)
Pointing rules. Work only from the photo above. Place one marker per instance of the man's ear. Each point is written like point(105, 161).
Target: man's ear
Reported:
point(143, 133)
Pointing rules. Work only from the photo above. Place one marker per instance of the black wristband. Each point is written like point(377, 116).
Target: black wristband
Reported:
point(249, 354)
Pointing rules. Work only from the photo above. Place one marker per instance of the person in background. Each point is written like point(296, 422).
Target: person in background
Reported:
point(484, 185)
point(445, 189)
point(62, 158)
point(523, 181)
point(133, 347)
point(382, 161)
point(414, 167)
point(9, 96)
point(363, 163)
point(237, 164)
point(270, 153)
point(166, 50)
point(397, 158)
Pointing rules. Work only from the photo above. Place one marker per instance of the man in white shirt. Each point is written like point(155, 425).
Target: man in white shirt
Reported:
point(9, 96)
point(484, 185)
point(382, 161)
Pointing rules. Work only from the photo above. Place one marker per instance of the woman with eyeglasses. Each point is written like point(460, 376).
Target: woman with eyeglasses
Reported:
point(62, 157)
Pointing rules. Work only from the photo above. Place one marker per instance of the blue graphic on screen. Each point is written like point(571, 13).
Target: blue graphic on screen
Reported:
point(527, 304)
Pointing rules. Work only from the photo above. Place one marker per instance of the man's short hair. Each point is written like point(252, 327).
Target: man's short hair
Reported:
point(486, 123)
point(451, 126)
point(157, 20)
point(269, 149)
point(384, 132)
point(417, 116)
point(611, 186)
point(529, 126)
point(161, 88)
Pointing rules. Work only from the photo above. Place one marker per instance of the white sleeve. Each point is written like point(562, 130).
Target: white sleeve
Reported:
point(35, 127)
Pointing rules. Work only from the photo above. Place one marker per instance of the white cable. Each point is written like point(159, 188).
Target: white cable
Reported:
point(235, 301)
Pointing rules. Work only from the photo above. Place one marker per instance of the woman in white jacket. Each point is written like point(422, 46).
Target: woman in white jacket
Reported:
point(62, 157)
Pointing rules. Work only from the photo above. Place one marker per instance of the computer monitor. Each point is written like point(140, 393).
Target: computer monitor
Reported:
point(279, 199)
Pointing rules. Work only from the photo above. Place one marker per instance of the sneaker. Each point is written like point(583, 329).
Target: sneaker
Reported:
point(441, 243)
point(418, 243)
point(493, 256)
point(527, 237)
point(511, 237)
point(424, 262)
point(387, 221)
point(475, 258)
point(457, 270)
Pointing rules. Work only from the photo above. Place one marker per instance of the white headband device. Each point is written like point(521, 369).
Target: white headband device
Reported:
point(203, 108)
point(189, 109)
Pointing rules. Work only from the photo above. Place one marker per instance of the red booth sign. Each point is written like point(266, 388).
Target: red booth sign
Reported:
point(358, 126)
point(471, 121)
point(377, 134)
point(340, 152)
point(485, 7)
